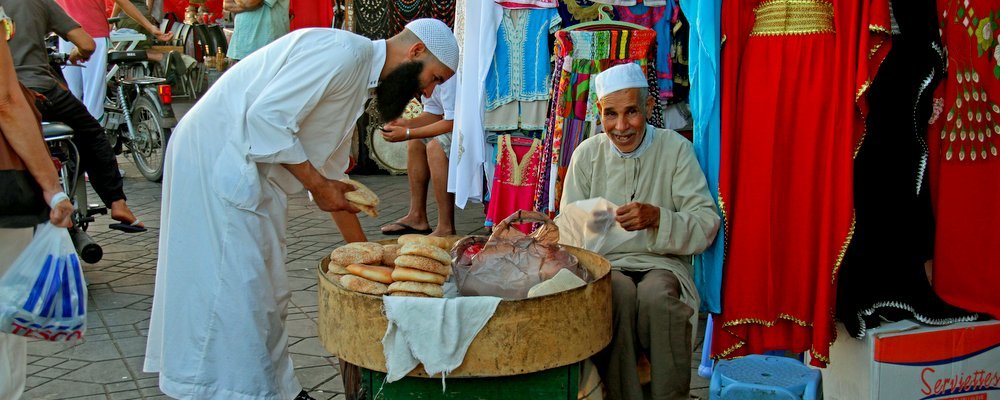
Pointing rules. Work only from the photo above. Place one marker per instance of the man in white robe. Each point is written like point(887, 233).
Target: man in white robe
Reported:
point(278, 122)
point(655, 175)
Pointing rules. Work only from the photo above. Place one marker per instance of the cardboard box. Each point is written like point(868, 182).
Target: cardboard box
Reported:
point(909, 361)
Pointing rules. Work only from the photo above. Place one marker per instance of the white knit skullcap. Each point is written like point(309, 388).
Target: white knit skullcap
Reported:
point(623, 76)
point(438, 38)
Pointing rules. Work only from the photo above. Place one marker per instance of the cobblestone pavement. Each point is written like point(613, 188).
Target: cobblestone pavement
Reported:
point(108, 364)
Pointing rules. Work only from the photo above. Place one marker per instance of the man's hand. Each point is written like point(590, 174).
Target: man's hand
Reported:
point(394, 133)
point(329, 196)
point(60, 215)
point(161, 36)
point(77, 56)
point(636, 216)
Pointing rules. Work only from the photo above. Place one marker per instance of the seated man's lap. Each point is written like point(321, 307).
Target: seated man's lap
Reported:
point(444, 140)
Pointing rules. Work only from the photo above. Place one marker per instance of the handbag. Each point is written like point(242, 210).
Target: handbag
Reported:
point(22, 204)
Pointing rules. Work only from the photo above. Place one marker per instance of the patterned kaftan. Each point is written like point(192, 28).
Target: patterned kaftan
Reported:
point(965, 157)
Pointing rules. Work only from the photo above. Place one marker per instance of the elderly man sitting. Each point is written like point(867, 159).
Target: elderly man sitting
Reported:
point(654, 173)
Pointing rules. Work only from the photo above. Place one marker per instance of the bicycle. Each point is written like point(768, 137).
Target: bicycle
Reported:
point(138, 116)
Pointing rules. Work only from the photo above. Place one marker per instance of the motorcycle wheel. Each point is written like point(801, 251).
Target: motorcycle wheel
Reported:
point(150, 143)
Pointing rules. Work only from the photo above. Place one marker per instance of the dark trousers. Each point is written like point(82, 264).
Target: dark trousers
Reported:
point(97, 158)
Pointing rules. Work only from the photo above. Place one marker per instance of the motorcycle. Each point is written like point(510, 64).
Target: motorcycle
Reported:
point(66, 157)
point(138, 116)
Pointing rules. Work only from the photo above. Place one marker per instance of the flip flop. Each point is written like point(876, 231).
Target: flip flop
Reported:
point(406, 229)
point(128, 228)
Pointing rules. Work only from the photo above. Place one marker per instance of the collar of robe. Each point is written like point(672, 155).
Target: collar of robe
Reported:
point(647, 140)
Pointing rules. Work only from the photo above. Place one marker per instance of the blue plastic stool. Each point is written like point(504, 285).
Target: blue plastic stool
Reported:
point(707, 364)
point(758, 377)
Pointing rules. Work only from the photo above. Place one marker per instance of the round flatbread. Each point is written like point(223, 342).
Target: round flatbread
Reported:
point(426, 250)
point(389, 254)
point(423, 264)
point(372, 272)
point(408, 294)
point(334, 268)
point(357, 253)
point(416, 275)
point(362, 285)
point(440, 242)
point(429, 289)
point(362, 197)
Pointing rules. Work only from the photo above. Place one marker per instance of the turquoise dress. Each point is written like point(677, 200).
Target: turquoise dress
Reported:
point(704, 46)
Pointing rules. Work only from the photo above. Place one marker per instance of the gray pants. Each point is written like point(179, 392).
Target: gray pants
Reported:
point(647, 317)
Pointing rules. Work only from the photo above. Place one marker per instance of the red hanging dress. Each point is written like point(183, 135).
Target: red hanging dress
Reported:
point(794, 74)
point(964, 142)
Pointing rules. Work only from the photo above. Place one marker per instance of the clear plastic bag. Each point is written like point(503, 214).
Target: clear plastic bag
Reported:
point(43, 295)
point(511, 263)
point(590, 224)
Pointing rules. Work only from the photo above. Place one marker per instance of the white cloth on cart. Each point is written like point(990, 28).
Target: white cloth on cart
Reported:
point(434, 332)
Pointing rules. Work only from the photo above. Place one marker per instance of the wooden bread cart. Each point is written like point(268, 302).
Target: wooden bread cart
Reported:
point(530, 349)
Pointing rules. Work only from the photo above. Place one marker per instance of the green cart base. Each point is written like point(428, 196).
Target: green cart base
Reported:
point(560, 383)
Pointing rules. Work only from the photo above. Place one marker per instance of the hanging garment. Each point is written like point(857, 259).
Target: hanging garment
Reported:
point(585, 54)
point(890, 169)
point(401, 12)
point(311, 14)
point(528, 3)
point(574, 12)
point(517, 85)
point(660, 20)
point(650, 3)
point(468, 150)
point(371, 19)
point(679, 50)
point(793, 111)
point(518, 164)
point(705, 45)
point(964, 157)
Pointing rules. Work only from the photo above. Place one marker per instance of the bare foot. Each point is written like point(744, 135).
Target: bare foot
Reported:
point(121, 213)
point(404, 226)
point(442, 232)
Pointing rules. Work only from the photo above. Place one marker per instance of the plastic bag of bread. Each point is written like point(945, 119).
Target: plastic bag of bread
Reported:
point(510, 262)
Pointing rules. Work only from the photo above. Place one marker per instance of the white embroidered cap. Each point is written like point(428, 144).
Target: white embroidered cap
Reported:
point(438, 38)
point(623, 76)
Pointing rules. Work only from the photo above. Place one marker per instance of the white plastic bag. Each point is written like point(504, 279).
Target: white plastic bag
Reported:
point(590, 224)
point(43, 294)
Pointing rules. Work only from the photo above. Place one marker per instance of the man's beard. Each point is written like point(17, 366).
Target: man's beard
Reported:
point(394, 93)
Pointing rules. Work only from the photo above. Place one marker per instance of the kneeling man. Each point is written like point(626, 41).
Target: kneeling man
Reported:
point(654, 173)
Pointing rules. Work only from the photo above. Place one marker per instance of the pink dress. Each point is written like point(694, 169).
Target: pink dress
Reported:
point(514, 181)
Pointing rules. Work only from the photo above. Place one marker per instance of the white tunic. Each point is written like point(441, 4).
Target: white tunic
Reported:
point(217, 329)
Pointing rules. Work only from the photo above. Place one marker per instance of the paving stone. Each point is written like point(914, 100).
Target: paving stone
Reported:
point(89, 397)
point(73, 364)
point(47, 361)
point(131, 333)
point(304, 361)
point(35, 381)
point(111, 371)
point(135, 279)
point(146, 290)
point(153, 391)
point(301, 328)
point(100, 277)
point(91, 351)
point(135, 366)
point(314, 376)
point(59, 389)
point(334, 385)
point(148, 383)
point(49, 372)
point(121, 386)
point(124, 316)
point(112, 300)
point(310, 347)
point(129, 395)
point(303, 298)
point(132, 347)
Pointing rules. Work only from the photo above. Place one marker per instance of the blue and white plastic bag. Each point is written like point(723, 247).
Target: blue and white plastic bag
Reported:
point(43, 295)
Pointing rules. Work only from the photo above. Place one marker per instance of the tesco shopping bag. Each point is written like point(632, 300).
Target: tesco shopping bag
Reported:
point(43, 295)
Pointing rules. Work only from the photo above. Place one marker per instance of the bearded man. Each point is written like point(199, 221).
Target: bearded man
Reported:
point(276, 123)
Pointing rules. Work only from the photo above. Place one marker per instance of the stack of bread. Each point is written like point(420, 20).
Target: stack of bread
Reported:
point(416, 266)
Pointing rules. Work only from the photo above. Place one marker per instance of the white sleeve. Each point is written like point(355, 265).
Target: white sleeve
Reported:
point(273, 119)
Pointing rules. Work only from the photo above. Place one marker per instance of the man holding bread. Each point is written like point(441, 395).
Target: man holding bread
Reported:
point(654, 174)
point(275, 124)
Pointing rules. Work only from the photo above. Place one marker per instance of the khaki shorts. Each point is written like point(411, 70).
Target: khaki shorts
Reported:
point(444, 139)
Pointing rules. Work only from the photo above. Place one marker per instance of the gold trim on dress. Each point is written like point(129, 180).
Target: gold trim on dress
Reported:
point(792, 17)
point(843, 251)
